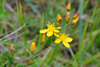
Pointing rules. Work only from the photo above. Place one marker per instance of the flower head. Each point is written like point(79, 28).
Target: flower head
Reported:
point(32, 47)
point(65, 39)
point(59, 19)
point(51, 30)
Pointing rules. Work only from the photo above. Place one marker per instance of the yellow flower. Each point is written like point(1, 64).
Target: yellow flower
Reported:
point(51, 30)
point(65, 39)
point(32, 47)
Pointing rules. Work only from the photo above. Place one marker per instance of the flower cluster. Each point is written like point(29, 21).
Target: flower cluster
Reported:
point(52, 30)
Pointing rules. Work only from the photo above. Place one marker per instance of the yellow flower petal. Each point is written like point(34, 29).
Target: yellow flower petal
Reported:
point(49, 33)
point(57, 31)
point(66, 44)
point(62, 35)
point(43, 31)
point(58, 27)
point(68, 39)
point(56, 35)
point(58, 40)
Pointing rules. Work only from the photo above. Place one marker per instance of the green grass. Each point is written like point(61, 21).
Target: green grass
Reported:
point(85, 46)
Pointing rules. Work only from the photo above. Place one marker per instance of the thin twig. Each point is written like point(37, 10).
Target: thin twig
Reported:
point(13, 37)
point(13, 32)
point(8, 7)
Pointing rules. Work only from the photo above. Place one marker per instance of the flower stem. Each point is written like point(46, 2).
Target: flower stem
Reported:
point(72, 53)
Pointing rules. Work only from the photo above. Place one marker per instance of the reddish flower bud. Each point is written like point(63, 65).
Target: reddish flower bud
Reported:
point(68, 7)
point(75, 20)
point(75, 15)
point(59, 19)
point(58, 24)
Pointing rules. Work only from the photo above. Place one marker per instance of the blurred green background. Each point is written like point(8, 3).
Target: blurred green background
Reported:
point(21, 20)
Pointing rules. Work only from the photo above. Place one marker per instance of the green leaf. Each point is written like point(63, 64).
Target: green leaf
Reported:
point(10, 59)
point(1, 9)
point(88, 60)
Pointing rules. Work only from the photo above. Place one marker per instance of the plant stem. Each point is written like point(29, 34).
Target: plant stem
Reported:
point(40, 35)
point(80, 22)
point(71, 51)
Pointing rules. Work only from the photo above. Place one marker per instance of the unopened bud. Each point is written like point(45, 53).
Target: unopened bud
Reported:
point(58, 24)
point(59, 19)
point(32, 47)
point(30, 62)
point(43, 38)
point(11, 46)
point(75, 20)
point(68, 7)
point(67, 16)
point(75, 15)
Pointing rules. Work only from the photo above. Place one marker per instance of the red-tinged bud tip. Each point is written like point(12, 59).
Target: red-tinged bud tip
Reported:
point(75, 15)
point(75, 20)
point(68, 7)
point(59, 19)
point(58, 24)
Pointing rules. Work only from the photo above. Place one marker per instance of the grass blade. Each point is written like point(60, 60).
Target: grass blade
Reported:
point(19, 9)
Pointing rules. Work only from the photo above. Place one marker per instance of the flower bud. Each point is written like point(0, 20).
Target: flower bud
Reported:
point(11, 46)
point(59, 19)
point(68, 7)
point(43, 38)
point(75, 15)
point(30, 62)
point(32, 47)
point(75, 20)
point(58, 24)
point(67, 16)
